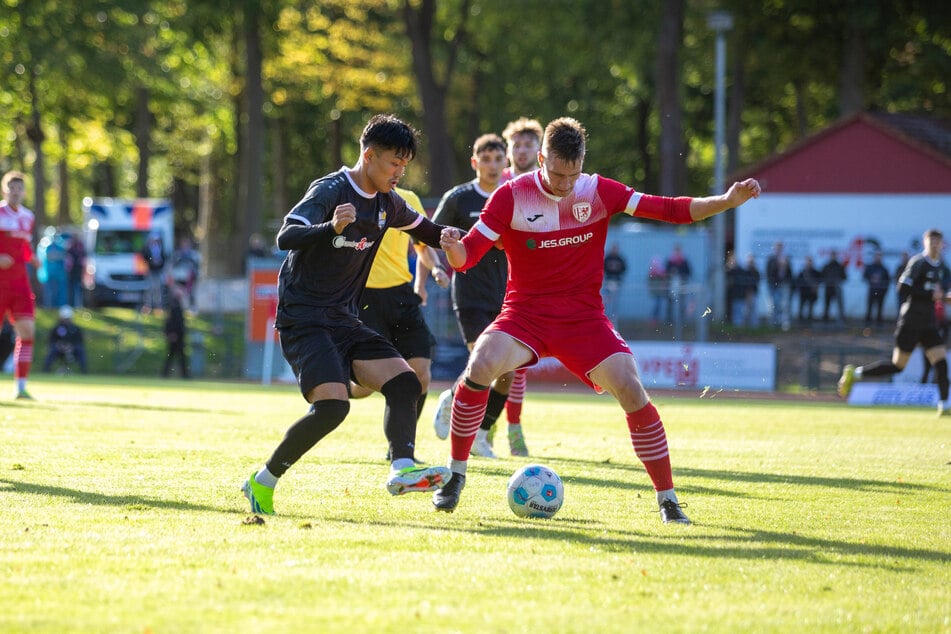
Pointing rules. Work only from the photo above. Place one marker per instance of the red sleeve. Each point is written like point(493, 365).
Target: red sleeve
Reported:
point(477, 244)
point(664, 208)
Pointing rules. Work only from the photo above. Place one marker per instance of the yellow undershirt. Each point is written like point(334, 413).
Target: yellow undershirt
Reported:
point(391, 264)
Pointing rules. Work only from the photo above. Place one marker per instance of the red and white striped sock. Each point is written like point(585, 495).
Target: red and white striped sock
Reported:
point(513, 406)
point(650, 445)
point(22, 359)
point(468, 410)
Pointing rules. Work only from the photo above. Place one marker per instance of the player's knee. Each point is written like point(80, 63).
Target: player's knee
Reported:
point(403, 386)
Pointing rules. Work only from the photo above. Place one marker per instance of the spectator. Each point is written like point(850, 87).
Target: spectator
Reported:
point(657, 287)
point(878, 279)
point(66, 343)
point(175, 332)
point(833, 274)
point(735, 291)
point(678, 274)
point(186, 263)
point(779, 281)
point(750, 285)
point(808, 282)
point(154, 255)
point(614, 269)
point(51, 253)
point(75, 266)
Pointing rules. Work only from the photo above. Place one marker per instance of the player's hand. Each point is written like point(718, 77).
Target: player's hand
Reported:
point(740, 192)
point(6, 261)
point(344, 215)
point(441, 277)
point(449, 237)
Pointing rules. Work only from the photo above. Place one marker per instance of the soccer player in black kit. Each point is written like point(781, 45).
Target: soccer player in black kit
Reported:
point(477, 296)
point(925, 280)
point(331, 237)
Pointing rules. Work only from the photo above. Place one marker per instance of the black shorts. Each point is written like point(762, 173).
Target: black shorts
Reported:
point(395, 313)
point(324, 353)
point(907, 337)
point(472, 321)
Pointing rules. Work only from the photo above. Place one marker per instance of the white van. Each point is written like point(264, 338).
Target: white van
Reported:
point(115, 231)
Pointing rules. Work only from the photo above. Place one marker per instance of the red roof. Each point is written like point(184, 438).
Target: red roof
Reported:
point(864, 153)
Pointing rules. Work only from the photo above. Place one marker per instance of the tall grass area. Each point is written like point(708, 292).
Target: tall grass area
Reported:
point(122, 513)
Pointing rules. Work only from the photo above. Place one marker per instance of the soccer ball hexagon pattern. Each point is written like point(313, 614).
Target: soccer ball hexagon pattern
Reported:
point(535, 491)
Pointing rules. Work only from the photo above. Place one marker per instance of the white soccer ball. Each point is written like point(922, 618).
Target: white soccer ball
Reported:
point(535, 491)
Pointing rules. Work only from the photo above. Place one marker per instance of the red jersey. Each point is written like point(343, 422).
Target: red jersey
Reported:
point(16, 233)
point(555, 246)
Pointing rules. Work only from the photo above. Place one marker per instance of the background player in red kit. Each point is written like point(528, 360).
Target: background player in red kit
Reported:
point(553, 225)
point(17, 302)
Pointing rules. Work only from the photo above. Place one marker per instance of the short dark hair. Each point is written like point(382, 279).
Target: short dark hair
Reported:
point(387, 132)
point(934, 233)
point(488, 142)
point(11, 176)
point(565, 138)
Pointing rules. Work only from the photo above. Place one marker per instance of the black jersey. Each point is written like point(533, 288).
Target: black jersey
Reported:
point(482, 286)
point(323, 273)
point(917, 283)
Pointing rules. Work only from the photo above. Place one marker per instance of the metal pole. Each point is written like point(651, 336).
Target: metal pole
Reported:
point(719, 21)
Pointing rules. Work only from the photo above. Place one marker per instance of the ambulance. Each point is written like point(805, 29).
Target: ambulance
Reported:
point(115, 231)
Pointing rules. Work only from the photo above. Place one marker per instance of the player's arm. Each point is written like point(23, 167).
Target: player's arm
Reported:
point(739, 193)
point(427, 262)
point(298, 232)
point(464, 252)
point(684, 209)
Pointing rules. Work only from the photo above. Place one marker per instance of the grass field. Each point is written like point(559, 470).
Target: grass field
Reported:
point(122, 513)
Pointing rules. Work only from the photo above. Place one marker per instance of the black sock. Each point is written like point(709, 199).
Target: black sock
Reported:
point(420, 402)
point(941, 371)
point(880, 368)
point(323, 418)
point(493, 409)
point(399, 417)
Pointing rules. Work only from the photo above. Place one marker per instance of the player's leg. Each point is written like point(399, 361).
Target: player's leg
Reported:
point(906, 339)
point(513, 411)
point(494, 354)
point(322, 373)
point(936, 354)
point(396, 380)
point(24, 326)
point(618, 376)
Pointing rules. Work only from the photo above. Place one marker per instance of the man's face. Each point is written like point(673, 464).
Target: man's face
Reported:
point(558, 175)
point(933, 246)
point(488, 165)
point(14, 192)
point(384, 168)
point(523, 152)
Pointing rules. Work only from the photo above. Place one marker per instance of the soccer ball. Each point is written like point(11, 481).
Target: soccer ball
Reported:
point(535, 491)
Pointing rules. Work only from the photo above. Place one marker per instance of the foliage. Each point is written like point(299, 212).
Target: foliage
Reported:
point(129, 519)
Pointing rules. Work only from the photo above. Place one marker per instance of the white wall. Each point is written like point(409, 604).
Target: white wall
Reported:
point(853, 224)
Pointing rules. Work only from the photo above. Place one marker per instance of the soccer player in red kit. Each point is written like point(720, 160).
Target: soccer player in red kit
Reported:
point(553, 225)
point(17, 302)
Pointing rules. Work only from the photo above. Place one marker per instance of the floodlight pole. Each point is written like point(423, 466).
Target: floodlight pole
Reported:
point(720, 22)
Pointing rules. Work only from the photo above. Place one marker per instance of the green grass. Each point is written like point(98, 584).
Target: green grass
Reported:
point(122, 341)
point(122, 514)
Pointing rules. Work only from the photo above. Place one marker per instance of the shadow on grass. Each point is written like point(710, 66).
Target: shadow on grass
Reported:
point(730, 543)
point(125, 405)
point(101, 499)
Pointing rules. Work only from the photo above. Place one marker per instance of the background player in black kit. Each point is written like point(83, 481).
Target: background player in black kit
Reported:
point(331, 237)
point(925, 280)
point(477, 296)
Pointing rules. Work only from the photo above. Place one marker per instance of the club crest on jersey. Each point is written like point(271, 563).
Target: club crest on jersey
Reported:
point(581, 211)
point(381, 220)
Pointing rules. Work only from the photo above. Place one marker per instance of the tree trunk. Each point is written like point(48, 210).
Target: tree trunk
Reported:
point(62, 215)
point(419, 22)
point(252, 180)
point(143, 138)
point(851, 82)
point(37, 136)
point(672, 173)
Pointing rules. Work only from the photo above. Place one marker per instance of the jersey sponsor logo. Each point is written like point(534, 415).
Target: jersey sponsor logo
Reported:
point(568, 241)
point(581, 211)
point(341, 242)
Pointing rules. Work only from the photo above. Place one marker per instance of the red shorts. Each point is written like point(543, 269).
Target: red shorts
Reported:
point(17, 300)
point(581, 341)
